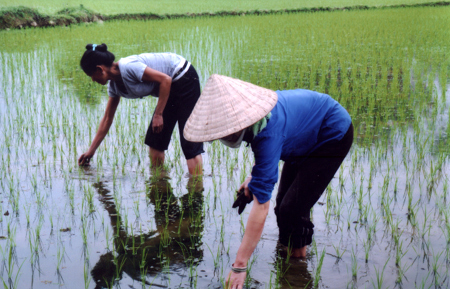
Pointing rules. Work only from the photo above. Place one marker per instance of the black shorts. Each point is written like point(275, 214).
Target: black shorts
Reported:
point(184, 94)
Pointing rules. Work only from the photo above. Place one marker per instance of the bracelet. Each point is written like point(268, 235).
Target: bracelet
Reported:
point(238, 269)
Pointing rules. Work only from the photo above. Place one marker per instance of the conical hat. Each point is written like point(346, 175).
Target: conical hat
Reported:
point(227, 105)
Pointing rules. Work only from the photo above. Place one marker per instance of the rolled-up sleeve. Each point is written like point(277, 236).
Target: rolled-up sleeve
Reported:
point(111, 91)
point(267, 152)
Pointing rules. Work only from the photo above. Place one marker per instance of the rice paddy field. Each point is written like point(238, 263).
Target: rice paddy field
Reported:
point(383, 221)
point(179, 6)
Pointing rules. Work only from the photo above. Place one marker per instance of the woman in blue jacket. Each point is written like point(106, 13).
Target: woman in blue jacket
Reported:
point(309, 131)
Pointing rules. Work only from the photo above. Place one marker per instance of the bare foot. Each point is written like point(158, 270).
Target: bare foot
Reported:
point(298, 252)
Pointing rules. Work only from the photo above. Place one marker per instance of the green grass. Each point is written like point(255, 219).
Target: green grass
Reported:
point(179, 6)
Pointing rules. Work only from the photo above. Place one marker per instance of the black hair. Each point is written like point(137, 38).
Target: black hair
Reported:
point(93, 57)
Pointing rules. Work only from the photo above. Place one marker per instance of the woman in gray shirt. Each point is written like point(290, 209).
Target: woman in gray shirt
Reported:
point(167, 76)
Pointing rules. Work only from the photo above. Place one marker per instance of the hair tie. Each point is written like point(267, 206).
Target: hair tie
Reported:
point(93, 47)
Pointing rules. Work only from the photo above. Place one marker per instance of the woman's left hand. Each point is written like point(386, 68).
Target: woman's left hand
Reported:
point(235, 280)
point(157, 123)
point(244, 186)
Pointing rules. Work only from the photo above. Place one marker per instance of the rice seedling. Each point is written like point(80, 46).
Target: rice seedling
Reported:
point(355, 266)
point(318, 268)
point(378, 283)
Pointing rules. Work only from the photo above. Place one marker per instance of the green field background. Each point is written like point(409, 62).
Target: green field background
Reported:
point(179, 6)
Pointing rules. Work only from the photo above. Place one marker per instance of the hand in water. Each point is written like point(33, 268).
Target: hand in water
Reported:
point(235, 280)
point(85, 158)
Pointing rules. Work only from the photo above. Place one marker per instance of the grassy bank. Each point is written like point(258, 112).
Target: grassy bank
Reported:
point(21, 16)
point(179, 6)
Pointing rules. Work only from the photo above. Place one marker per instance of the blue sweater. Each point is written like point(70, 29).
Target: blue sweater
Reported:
point(301, 121)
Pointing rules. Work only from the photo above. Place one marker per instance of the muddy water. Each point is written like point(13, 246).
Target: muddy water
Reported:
point(383, 221)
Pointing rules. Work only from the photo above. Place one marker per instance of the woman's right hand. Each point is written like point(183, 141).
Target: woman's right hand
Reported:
point(235, 280)
point(85, 158)
point(103, 129)
point(244, 186)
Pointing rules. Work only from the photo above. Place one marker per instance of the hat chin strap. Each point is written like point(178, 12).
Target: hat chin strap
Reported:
point(237, 143)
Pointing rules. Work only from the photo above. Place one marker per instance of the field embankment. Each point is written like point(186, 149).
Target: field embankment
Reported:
point(22, 17)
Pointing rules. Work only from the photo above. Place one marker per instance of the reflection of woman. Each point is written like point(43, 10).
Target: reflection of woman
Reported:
point(309, 131)
point(177, 238)
point(165, 75)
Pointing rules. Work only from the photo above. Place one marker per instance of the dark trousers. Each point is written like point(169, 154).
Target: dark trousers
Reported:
point(184, 94)
point(303, 180)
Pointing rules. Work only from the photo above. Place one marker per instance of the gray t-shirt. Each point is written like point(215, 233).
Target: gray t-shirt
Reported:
point(132, 68)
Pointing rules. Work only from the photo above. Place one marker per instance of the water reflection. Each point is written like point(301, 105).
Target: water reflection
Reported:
point(291, 272)
point(175, 244)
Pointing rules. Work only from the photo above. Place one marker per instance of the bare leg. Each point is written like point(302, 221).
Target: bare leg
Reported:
point(195, 165)
point(156, 158)
point(299, 252)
